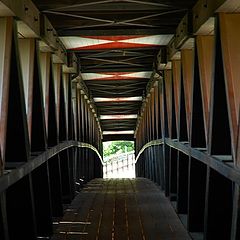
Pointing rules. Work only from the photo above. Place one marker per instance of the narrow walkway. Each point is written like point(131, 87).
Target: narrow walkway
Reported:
point(120, 209)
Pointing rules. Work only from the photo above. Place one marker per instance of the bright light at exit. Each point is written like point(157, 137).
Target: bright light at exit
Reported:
point(119, 157)
point(118, 132)
point(129, 116)
point(120, 99)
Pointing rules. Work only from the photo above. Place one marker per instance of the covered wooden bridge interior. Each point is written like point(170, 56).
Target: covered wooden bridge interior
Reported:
point(164, 73)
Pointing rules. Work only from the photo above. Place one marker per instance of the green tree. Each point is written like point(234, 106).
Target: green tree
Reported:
point(117, 147)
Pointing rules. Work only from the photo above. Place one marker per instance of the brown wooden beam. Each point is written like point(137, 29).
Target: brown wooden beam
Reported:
point(205, 48)
point(6, 25)
point(230, 37)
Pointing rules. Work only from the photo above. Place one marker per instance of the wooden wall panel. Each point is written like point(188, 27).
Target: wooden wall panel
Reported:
point(52, 122)
point(176, 68)
point(148, 120)
point(230, 39)
point(82, 124)
point(238, 148)
point(38, 126)
point(156, 104)
point(45, 61)
point(75, 111)
point(219, 127)
point(6, 25)
point(27, 54)
point(57, 72)
point(161, 106)
point(153, 129)
point(65, 88)
point(197, 135)
point(17, 128)
point(79, 116)
point(187, 73)
point(205, 48)
point(168, 89)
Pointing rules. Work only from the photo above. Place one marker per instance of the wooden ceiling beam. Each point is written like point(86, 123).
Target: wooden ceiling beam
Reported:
point(117, 32)
point(114, 68)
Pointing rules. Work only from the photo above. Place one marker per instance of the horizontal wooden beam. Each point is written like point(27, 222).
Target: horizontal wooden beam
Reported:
point(128, 137)
point(48, 33)
point(26, 12)
point(115, 32)
point(60, 55)
point(71, 66)
point(200, 21)
point(30, 24)
point(183, 31)
point(204, 11)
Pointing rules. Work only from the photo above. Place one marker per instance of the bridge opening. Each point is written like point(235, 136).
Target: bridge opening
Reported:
point(119, 159)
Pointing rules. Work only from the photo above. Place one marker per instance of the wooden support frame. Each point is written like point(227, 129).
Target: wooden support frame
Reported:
point(205, 51)
point(28, 15)
point(27, 52)
point(31, 92)
point(208, 86)
point(45, 61)
point(230, 37)
point(161, 106)
point(38, 123)
point(57, 75)
point(168, 87)
point(187, 56)
point(6, 25)
point(52, 112)
point(17, 132)
point(197, 130)
point(219, 143)
point(176, 66)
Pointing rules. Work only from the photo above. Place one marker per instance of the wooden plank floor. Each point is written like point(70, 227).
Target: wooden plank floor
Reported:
point(120, 209)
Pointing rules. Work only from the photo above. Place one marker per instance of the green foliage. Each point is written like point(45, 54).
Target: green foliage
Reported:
point(110, 148)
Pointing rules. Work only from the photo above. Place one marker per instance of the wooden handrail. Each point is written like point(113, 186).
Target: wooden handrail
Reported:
point(221, 164)
point(12, 176)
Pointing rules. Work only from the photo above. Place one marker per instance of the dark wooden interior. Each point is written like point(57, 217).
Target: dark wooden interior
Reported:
point(164, 74)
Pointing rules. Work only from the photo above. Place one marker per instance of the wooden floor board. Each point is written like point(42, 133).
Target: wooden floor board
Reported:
point(120, 209)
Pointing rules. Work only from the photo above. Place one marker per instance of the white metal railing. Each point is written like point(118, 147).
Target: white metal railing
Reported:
point(120, 166)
